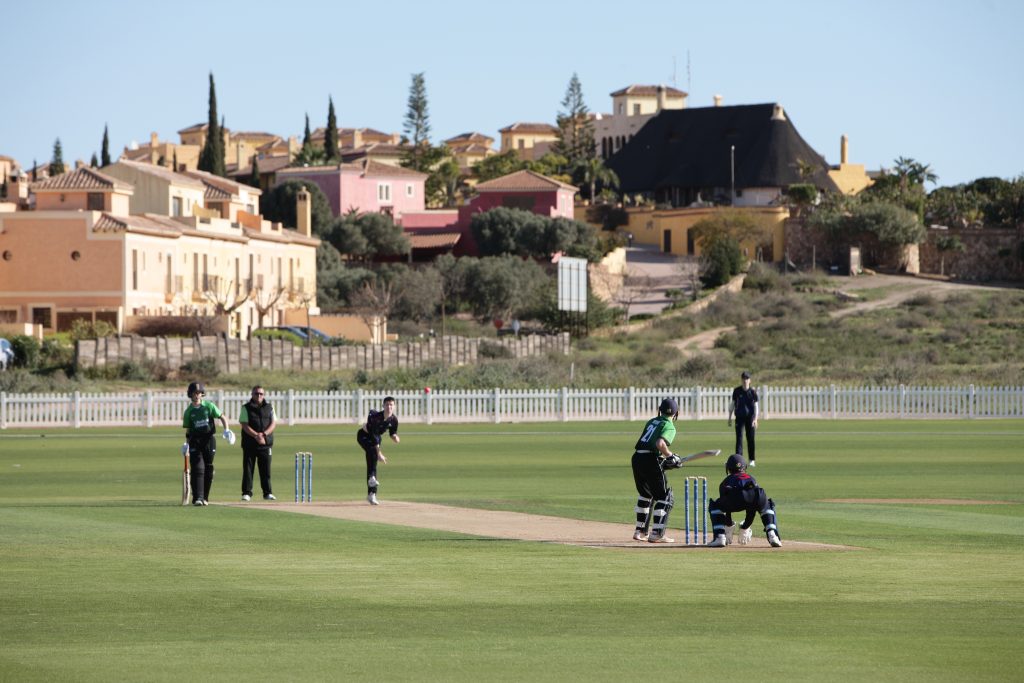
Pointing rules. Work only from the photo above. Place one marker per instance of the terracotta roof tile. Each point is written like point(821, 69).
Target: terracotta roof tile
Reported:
point(465, 138)
point(163, 173)
point(372, 169)
point(266, 165)
point(648, 90)
point(84, 178)
point(220, 188)
point(523, 181)
point(434, 240)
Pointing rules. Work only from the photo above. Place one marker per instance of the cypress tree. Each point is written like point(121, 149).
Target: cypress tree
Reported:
point(331, 138)
point(175, 162)
point(57, 164)
point(105, 149)
point(254, 179)
point(94, 162)
point(307, 138)
point(35, 174)
point(211, 159)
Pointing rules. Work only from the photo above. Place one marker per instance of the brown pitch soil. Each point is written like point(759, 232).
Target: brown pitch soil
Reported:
point(515, 526)
point(917, 501)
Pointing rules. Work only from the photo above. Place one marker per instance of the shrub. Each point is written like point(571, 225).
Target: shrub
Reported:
point(26, 351)
point(55, 353)
point(720, 261)
point(278, 334)
point(489, 349)
point(204, 368)
point(764, 278)
point(85, 329)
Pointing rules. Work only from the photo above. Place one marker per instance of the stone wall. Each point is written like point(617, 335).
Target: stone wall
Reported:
point(805, 248)
point(236, 355)
point(990, 254)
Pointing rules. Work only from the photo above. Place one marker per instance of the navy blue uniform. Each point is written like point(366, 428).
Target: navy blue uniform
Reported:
point(376, 426)
point(739, 492)
point(745, 404)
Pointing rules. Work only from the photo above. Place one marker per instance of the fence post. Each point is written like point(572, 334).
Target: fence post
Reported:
point(630, 399)
point(698, 412)
point(764, 402)
point(497, 406)
point(903, 401)
point(76, 407)
point(357, 405)
point(970, 402)
point(149, 408)
point(833, 401)
point(291, 407)
point(429, 409)
point(3, 410)
point(563, 400)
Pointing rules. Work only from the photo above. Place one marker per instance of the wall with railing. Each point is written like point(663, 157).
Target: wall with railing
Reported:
point(163, 408)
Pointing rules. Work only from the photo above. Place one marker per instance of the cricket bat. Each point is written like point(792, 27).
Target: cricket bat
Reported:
point(702, 454)
point(186, 482)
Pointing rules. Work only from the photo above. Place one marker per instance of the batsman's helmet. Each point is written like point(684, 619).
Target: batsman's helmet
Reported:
point(669, 407)
point(735, 464)
point(196, 388)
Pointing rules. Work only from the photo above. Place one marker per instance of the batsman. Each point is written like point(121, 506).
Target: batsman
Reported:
point(651, 452)
point(201, 440)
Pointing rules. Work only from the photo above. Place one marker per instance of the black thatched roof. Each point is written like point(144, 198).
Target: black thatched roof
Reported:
point(689, 148)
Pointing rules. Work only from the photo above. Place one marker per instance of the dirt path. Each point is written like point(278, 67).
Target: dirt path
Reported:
point(904, 288)
point(508, 525)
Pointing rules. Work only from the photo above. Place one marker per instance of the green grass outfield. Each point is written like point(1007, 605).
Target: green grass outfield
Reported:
point(105, 577)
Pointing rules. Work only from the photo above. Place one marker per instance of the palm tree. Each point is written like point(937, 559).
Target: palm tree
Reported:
point(594, 171)
point(912, 172)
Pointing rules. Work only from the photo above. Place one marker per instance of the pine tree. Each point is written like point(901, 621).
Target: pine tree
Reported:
point(331, 136)
point(94, 162)
point(575, 129)
point(105, 149)
point(211, 159)
point(417, 123)
point(57, 164)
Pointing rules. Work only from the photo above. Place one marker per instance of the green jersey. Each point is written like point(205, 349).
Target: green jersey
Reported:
point(660, 427)
point(198, 419)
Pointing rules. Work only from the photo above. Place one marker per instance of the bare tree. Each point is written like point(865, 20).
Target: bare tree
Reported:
point(264, 301)
point(375, 301)
point(227, 296)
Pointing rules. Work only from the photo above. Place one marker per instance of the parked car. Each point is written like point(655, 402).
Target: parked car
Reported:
point(304, 333)
point(6, 354)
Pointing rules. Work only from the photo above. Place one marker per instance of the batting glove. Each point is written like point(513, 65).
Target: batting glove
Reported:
point(671, 462)
point(229, 436)
point(184, 448)
point(745, 535)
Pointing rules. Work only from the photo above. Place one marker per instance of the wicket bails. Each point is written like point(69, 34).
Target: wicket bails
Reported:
point(304, 477)
point(700, 521)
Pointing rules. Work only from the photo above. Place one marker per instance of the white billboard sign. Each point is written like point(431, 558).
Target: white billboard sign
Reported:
point(572, 284)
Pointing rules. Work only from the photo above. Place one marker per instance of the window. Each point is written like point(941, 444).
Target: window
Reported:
point(522, 143)
point(94, 201)
point(175, 206)
point(410, 190)
point(41, 316)
point(622, 108)
point(135, 269)
point(636, 109)
point(384, 193)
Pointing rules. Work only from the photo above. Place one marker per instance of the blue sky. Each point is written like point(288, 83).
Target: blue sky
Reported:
point(940, 82)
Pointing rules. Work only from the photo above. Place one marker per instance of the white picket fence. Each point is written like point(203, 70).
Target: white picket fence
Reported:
point(152, 408)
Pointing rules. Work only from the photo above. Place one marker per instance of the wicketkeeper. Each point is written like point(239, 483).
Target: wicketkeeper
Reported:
point(650, 455)
point(739, 492)
point(201, 438)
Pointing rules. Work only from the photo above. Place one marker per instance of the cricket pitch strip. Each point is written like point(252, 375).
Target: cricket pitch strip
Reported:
point(516, 526)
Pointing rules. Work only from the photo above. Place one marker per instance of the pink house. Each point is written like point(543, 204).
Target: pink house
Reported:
point(432, 232)
point(365, 186)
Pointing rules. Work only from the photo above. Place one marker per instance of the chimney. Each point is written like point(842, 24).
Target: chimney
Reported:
point(844, 150)
point(239, 154)
point(154, 140)
point(303, 215)
point(661, 97)
point(778, 113)
point(79, 163)
point(718, 100)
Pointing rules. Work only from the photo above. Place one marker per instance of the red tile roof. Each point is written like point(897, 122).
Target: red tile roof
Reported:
point(469, 138)
point(435, 240)
point(162, 173)
point(523, 181)
point(220, 188)
point(376, 169)
point(85, 178)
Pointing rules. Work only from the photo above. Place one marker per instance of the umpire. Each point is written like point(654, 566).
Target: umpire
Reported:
point(650, 456)
point(744, 406)
point(258, 425)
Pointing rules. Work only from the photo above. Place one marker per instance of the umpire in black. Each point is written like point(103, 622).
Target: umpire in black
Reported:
point(744, 406)
point(258, 425)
